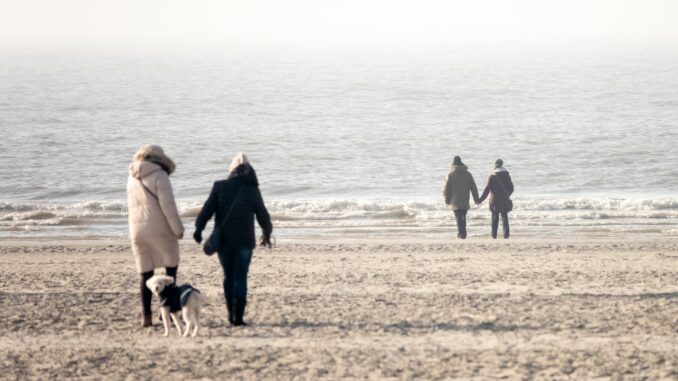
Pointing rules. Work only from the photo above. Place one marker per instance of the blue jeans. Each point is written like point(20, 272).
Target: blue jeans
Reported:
point(236, 264)
point(504, 223)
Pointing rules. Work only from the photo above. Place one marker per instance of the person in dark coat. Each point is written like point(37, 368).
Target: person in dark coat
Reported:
point(499, 188)
point(237, 231)
point(458, 186)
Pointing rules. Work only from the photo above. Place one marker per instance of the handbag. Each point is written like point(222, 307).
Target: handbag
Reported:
point(214, 241)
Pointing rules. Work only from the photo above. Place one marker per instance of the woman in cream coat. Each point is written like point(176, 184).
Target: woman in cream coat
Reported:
point(154, 223)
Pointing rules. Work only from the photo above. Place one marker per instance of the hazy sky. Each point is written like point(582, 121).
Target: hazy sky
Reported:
point(328, 22)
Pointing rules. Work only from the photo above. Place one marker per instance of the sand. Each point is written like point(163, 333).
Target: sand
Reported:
point(373, 309)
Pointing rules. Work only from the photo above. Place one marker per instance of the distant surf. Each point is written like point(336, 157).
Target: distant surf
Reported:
point(531, 217)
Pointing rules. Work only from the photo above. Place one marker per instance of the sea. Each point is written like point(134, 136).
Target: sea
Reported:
point(346, 143)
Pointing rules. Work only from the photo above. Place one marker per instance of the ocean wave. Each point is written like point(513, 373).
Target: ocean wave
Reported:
point(36, 214)
point(381, 208)
point(107, 206)
point(56, 221)
point(39, 215)
point(343, 209)
point(28, 216)
point(16, 207)
point(596, 204)
point(377, 214)
point(524, 208)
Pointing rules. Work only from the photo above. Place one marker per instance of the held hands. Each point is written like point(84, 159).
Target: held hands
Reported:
point(197, 236)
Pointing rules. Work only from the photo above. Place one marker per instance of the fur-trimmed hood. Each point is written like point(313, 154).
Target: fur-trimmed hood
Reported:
point(141, 168)
point(155, 154)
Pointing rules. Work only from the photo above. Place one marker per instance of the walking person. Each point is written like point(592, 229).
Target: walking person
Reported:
point(499, 188)
point(457, 187)
point(235, 202)
point(154, 223)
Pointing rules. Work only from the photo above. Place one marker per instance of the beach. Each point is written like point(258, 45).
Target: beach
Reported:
point(351, 151)
point(354, 118)
point(397, 309)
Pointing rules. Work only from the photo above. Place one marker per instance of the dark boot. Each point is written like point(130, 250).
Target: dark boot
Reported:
point(239, 312)
point(146, 320)
point(146, 296)
point(231, 313)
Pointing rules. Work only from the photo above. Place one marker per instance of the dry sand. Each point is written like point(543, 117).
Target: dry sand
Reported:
point(530, 309)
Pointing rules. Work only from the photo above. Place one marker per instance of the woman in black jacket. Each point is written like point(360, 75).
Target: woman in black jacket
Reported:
point(240, 194)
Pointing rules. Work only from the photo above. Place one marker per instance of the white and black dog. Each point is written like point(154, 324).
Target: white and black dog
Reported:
point(173, 299)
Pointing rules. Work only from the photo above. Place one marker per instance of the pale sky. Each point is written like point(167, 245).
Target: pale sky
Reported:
point(328, 22)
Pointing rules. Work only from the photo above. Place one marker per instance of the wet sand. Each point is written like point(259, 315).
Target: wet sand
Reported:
point(519, 309)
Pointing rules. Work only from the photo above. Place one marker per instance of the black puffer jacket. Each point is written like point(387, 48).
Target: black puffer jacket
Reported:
point(238, 230)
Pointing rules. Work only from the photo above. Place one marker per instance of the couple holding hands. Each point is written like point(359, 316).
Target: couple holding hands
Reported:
point(499, 188)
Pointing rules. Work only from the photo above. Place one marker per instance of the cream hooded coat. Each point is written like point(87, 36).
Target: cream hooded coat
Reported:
point(153, 224)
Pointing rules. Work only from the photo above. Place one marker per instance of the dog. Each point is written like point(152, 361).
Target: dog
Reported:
point(184, 298)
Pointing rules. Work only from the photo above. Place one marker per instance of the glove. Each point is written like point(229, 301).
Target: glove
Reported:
point(197, 236)
point(266, 241)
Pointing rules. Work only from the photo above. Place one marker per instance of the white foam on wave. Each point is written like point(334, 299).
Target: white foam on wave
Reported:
point(375, 214)
point(16, 207)
point(37, 215)
point(426, 210)
point(107, 206)
point(25, 215)
point(547, 204)
point(343, 210)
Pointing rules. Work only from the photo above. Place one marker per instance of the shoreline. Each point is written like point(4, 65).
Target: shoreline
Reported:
point(562, 218)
